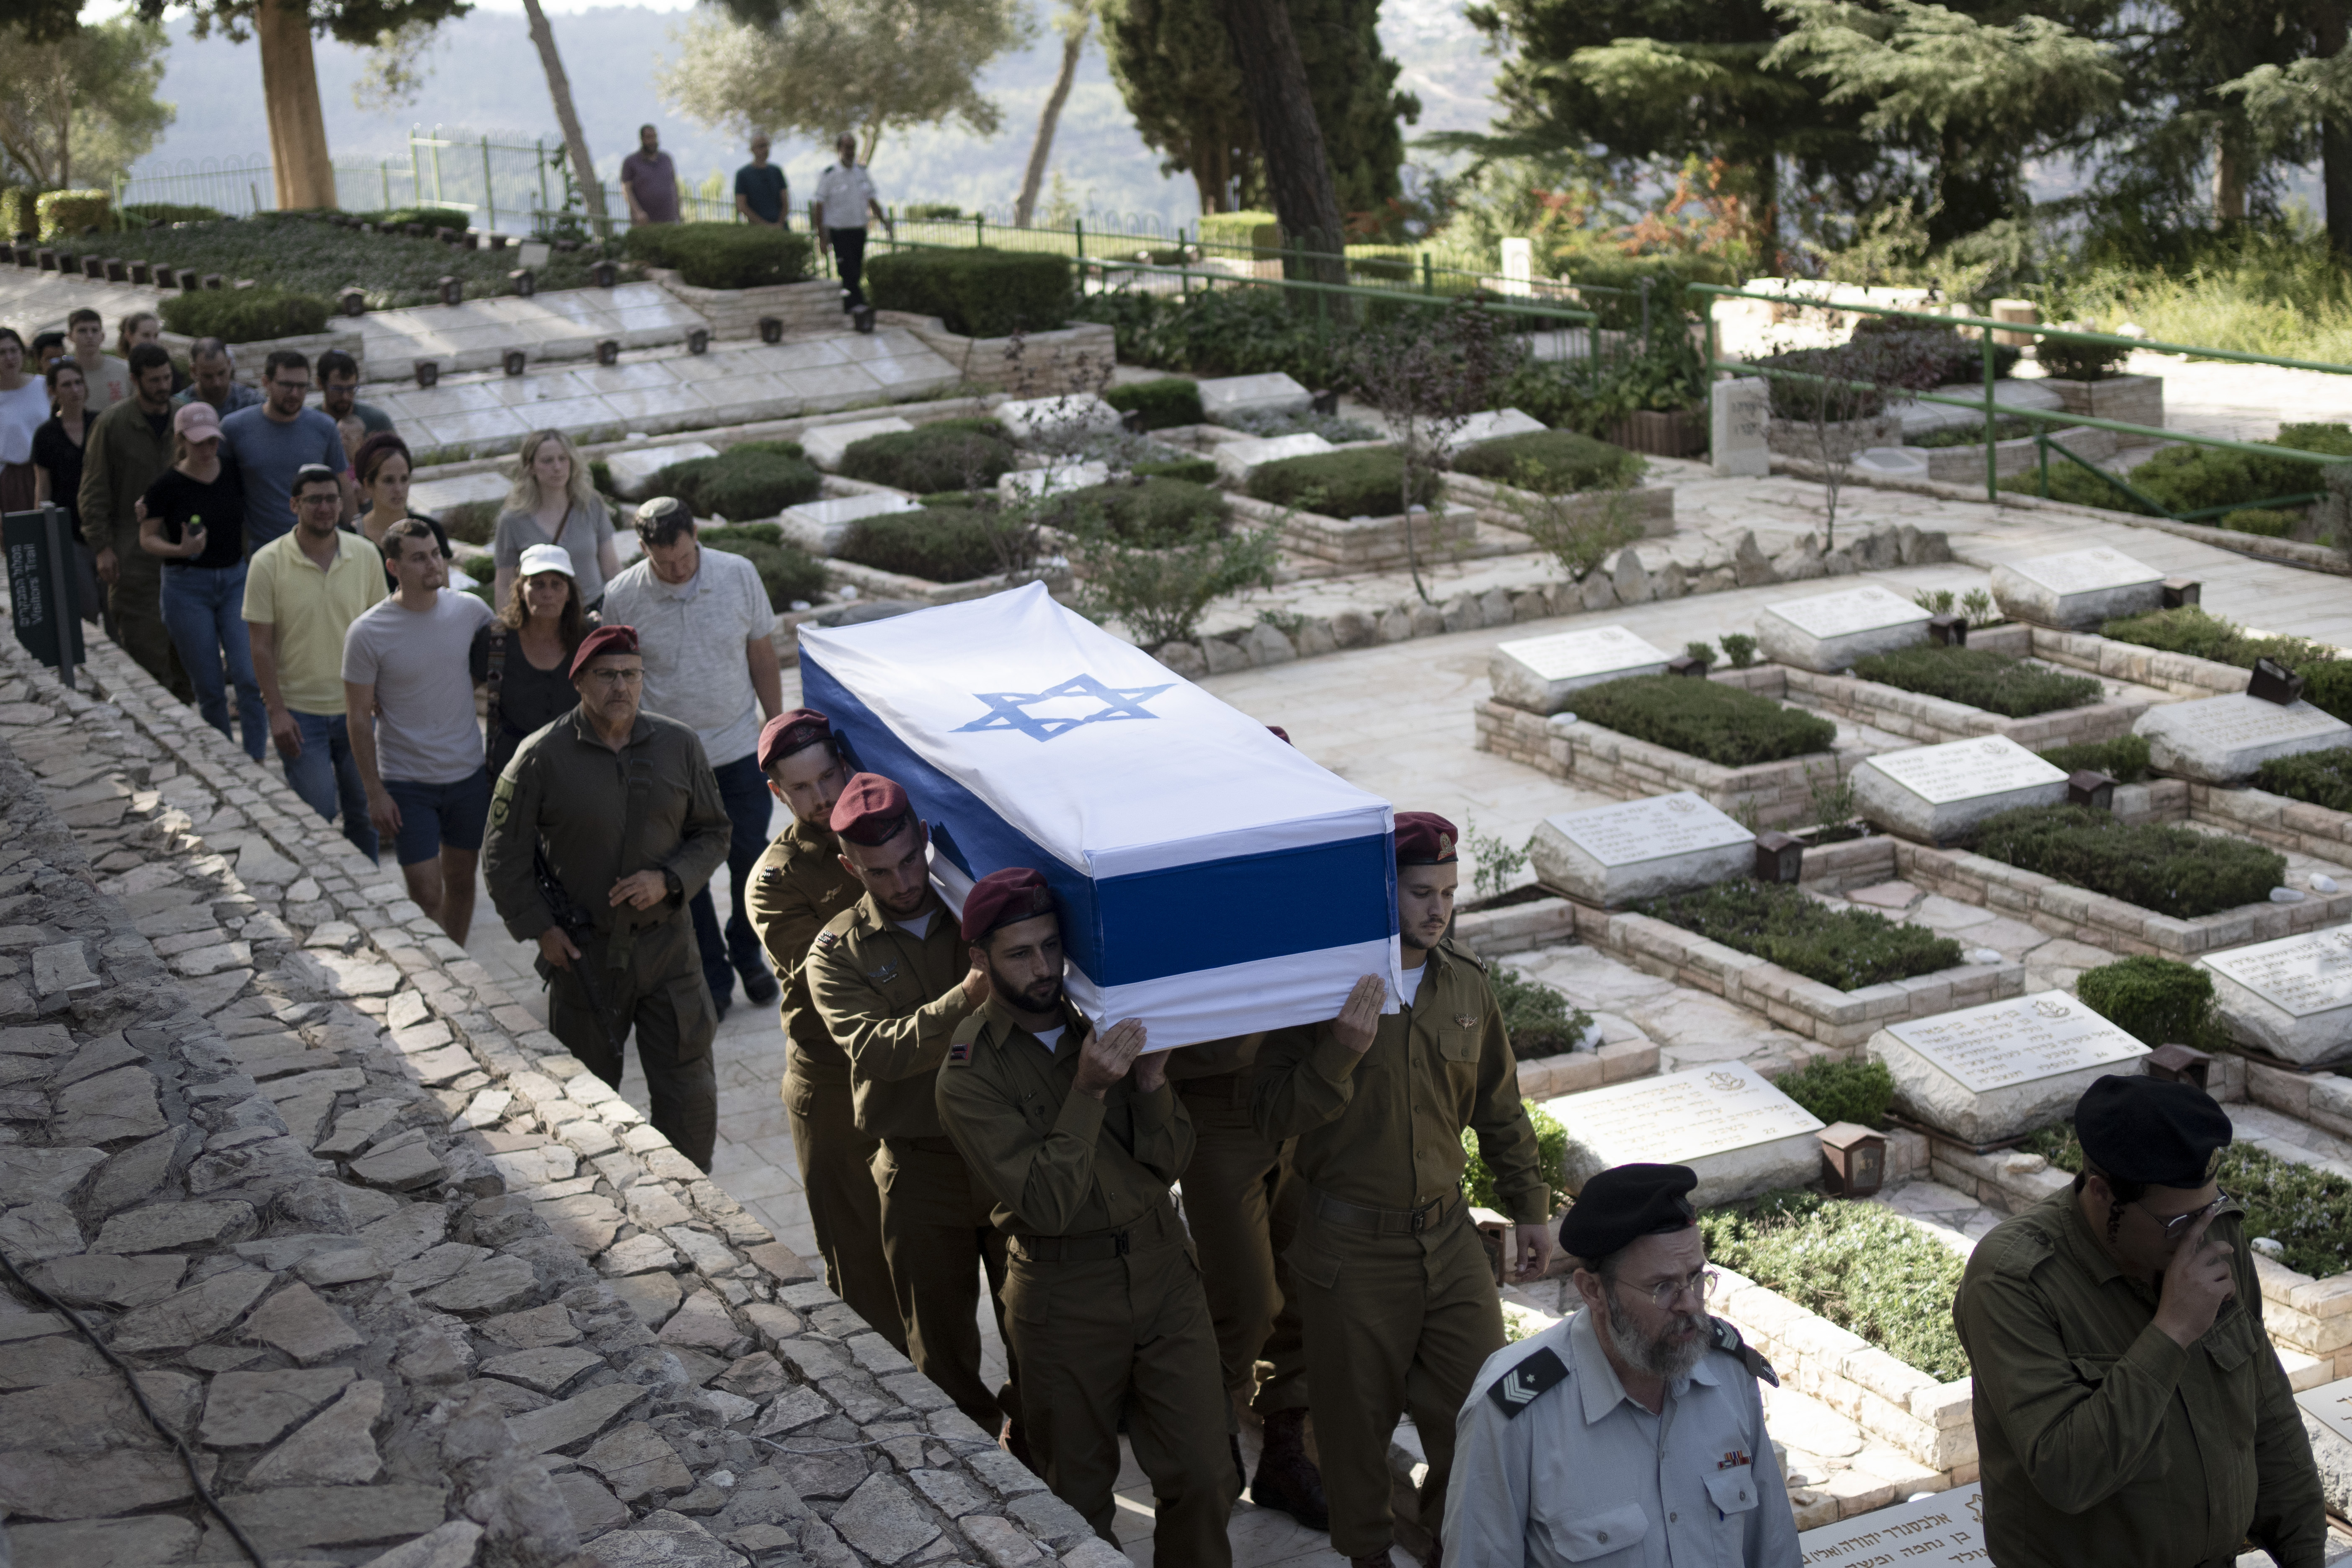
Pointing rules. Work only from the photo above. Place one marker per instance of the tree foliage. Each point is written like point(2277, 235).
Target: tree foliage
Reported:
point(362, 22)
point(80, 107)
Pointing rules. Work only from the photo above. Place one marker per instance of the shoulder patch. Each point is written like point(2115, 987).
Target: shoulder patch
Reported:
point(1527, 1383)
point(773, 874)
point(826, 941)
point(959, 1053)
point(1727, 1340)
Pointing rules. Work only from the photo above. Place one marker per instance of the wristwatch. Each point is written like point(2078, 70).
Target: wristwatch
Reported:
point(669, 880)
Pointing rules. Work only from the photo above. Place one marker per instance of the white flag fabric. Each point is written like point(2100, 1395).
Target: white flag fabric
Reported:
point(1213, 880)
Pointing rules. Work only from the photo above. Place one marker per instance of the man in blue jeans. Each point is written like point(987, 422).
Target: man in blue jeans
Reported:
point(302, 591)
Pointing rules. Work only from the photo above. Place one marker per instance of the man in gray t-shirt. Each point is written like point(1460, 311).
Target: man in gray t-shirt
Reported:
point(408, 700)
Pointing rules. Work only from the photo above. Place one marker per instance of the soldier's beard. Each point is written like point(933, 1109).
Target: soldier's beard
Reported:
point(1670, 1355)
point(1040, 997)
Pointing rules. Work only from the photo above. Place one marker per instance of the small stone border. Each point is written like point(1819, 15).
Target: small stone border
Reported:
point(2185, 675)
point(2275, 820)
point(1932, 721)
point(1506, 505)
point(1373, 543)
point(1958, 465)
point(804, 308)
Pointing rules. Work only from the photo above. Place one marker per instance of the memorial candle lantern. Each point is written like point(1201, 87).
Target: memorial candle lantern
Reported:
point(608, 351)
point(2273, 682)
point(1685, 664)
point(604, 275)
point(771, 330)
point(2087, 786)
point(2181, 592)
point(2177, 1063)
point(524, 280)
point(1854, 1160)
point(428, 371)
point(1949, 631)
point(352, 301)
point(1778, 858)
point(514, 362)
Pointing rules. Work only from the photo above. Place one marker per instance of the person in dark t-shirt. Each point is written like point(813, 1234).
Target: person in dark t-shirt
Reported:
point(762, 194)
point(192, 516)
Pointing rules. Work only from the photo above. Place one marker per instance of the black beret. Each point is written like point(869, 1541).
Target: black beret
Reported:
point(2150, 1129)
point(1624, 1203)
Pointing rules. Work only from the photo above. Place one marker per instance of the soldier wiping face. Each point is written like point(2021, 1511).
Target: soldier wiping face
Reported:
point(1644, 1274)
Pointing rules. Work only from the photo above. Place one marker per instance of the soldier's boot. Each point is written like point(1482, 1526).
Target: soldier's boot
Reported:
point(1241, 1474)
point(1286, 1478)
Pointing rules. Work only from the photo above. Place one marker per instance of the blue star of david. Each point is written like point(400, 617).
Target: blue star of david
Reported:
point(1009, 709)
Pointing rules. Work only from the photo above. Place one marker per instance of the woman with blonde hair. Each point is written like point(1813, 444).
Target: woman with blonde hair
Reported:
point(524, 657)
point(553, 503)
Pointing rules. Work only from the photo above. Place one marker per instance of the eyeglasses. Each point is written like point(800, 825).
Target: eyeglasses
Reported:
point(618, 676)
point(2177, 1226)
point(1666, 1292)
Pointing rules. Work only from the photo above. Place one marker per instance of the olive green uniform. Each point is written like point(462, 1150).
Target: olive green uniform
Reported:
point(1395, 1291)
point(891, 999)
point(797, 887)
point(122, 454)
point(2102, 1441)
point(1104, 1302)
point(603, 816)
point(1241, 1208)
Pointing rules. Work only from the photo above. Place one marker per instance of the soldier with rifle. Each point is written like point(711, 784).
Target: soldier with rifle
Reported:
point(601, 827)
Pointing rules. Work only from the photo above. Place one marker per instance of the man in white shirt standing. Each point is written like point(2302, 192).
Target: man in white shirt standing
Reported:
point(703, 628)
point(408, 707)
point(845, 195)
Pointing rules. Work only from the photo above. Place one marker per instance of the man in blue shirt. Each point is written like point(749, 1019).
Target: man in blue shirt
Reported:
point(762, 196)
point(274, 441)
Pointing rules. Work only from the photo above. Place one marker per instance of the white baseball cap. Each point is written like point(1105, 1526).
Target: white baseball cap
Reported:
point(538, 558)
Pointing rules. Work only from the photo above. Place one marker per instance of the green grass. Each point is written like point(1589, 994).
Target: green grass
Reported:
point(1862, 1266)
point(2154, 1000)
point(2321, 778)
point(1841, 1091)
point(1725, 724)
point(2123, 759)
point(1551, 1146)
point(1539, 1021)
point(1846, 948)
point(2306, 1211)
point(2174, 872)
point(309, 255)
point(1981, 678)
point(2270, 290)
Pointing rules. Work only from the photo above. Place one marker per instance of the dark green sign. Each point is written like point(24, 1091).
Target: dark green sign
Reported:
point(41, 599)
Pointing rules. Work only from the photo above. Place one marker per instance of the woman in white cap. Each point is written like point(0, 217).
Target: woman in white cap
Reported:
point(524, 657)
point(193, 517)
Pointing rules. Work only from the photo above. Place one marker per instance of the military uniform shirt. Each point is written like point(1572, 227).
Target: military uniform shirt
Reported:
point(1059, 1162)
point(1384, 1130)
point(2102, 1441)
point(796, 887)
point(890, 1000)
point(1575, 1471)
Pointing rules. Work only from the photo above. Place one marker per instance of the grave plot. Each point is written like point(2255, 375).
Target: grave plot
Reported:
point(1937, 794)
point(1538, 674)
point(1531, 481)
point(2290, 997)
point(1346, 507)
point(2077, 590)
point(1825, 633)
point(1930, 694)
point(2226, 740)
point(1727, 1122)
point(1986, 1074)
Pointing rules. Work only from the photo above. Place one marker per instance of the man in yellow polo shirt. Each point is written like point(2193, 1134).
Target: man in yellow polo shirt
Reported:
point(302, 591)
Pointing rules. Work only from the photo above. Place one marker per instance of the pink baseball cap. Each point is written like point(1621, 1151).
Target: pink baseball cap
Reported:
point(196, 421)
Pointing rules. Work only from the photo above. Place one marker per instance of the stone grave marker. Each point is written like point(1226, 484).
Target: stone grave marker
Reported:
point(1827, 632)
point(1538, 673)
point(1938, 1531)
point(1235, 459)
point(2293, 997)
point(1078, 412)
point(1614, 855)
point(818, 525)
point(2222, 740)
point(2077, 589)
point(2327, 1421)
point(1055, 478)
point(1225, 397)
point(2001, 1070)
point(1726, 1121)
point(434, 496)
point(1735, 415)
point(1932, 795)
point(826, 443)
point(633, 472)
point(1491, 424)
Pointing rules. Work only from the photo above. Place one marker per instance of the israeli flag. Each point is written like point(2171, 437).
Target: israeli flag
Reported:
point(1213, 880)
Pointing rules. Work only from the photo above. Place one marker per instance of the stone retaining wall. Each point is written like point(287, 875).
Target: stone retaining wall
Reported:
point(1506, 505)
point(2294, 825)
point(806, 309)
point(1369, 543)
point(1076, 358)
point(2181, 674)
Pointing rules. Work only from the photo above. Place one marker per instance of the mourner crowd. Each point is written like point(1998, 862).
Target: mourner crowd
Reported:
point(962, 1131)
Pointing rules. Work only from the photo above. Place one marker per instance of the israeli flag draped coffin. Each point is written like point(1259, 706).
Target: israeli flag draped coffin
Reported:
point(1213, 880)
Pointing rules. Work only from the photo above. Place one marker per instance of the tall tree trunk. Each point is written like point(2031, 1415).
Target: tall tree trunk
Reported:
point(559, 87)
point(304, 175)
point(2335, 140)
point(2229, 181)
point(1073, 42)
point(1298, 168)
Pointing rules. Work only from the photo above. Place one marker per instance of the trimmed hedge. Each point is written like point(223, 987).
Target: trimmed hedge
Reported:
point(2172, 871)
point(1725, 724)
point(789, 574)
point(1846, 948)
point(2202, 634)
point(472, 521)
point(17, 214)
point(1841, 1092)
point(430, 217)
point(2320, 778)
point(948, 455)
point(979, 293)
point(937, 544)
point(2193, 479)
point(2266, 522)
point(1551, 1148)
point(757, 479)
point(244, 315)
point(1366, 482)
point(1981, 678)
point(1551, 462)
point(722, 255)
point(1199, 470)
point(2154, 1000)
point(2123, 759)
point(1538, 1020)
point(64, 214)
point(1171, 401)
point(139, 214)
point(2080, 362)
point(1156, 513)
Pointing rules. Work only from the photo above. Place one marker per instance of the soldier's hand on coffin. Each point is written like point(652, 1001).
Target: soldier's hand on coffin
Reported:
point(642, 890)
point(1150, 1070)
point(1109, 1055)
point(556, 947)
point(1359, 1018)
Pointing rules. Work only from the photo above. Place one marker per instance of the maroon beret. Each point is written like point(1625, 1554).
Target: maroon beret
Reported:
point(1000, 898)
point(604, 641)
point(870, 810)
point(1425, 839)
point(788, 732)
point(1281, 734)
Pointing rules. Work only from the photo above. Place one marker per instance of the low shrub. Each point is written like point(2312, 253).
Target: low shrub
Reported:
point(2154, 1000)
point(1551, 462)
point(1218, 332)
point(2076, 486)
point(2080, 362)
point(1366, 482)
point(2006, 428)
point(2328, 686)
point(937, 544)
point(1160, 587)
point(1198, 470)
point(1725, 724)
point(2321, 778)
point(63, 214)
point(789, 574)
point(1980, 678)
point(979, 293)
point(2267, 522)
point(722, 255)
point(2306, 1209)
point(1858, 1091)
point(2201, 635)
point(1171, 401)
point(948, 455)
point(1336, 428)
point(1862, 1266)
point(2196, 479)
point(244, 315)
point(751, 480)
point(1222, 232)
point(1954, 357)
point(931, 212)
point(1539, 1021)
point(1551, 1149)
point(431, 218)
point(17, 213)
point(1154, 512)
point(1609, 282)
point(1847, 947)
point(2174, 872)
point(139, 214)
point(2123, 759)
point(472, 521)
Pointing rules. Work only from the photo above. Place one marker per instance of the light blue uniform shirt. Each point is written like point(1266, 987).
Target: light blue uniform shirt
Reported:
point(1584, 1475)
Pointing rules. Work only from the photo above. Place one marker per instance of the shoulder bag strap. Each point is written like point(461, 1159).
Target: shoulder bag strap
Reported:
point(498, 670)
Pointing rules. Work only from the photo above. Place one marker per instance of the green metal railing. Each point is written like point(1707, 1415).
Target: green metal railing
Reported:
point(2042, 418)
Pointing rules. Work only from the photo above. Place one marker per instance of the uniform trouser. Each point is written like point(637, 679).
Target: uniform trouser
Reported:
point(850, 261)
point(1243, 1208)
point(937, 1234)
point(1127, 1336)
point(837, 1178)
point(1394, 1323)
point(660, 993)
point(136, 602)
